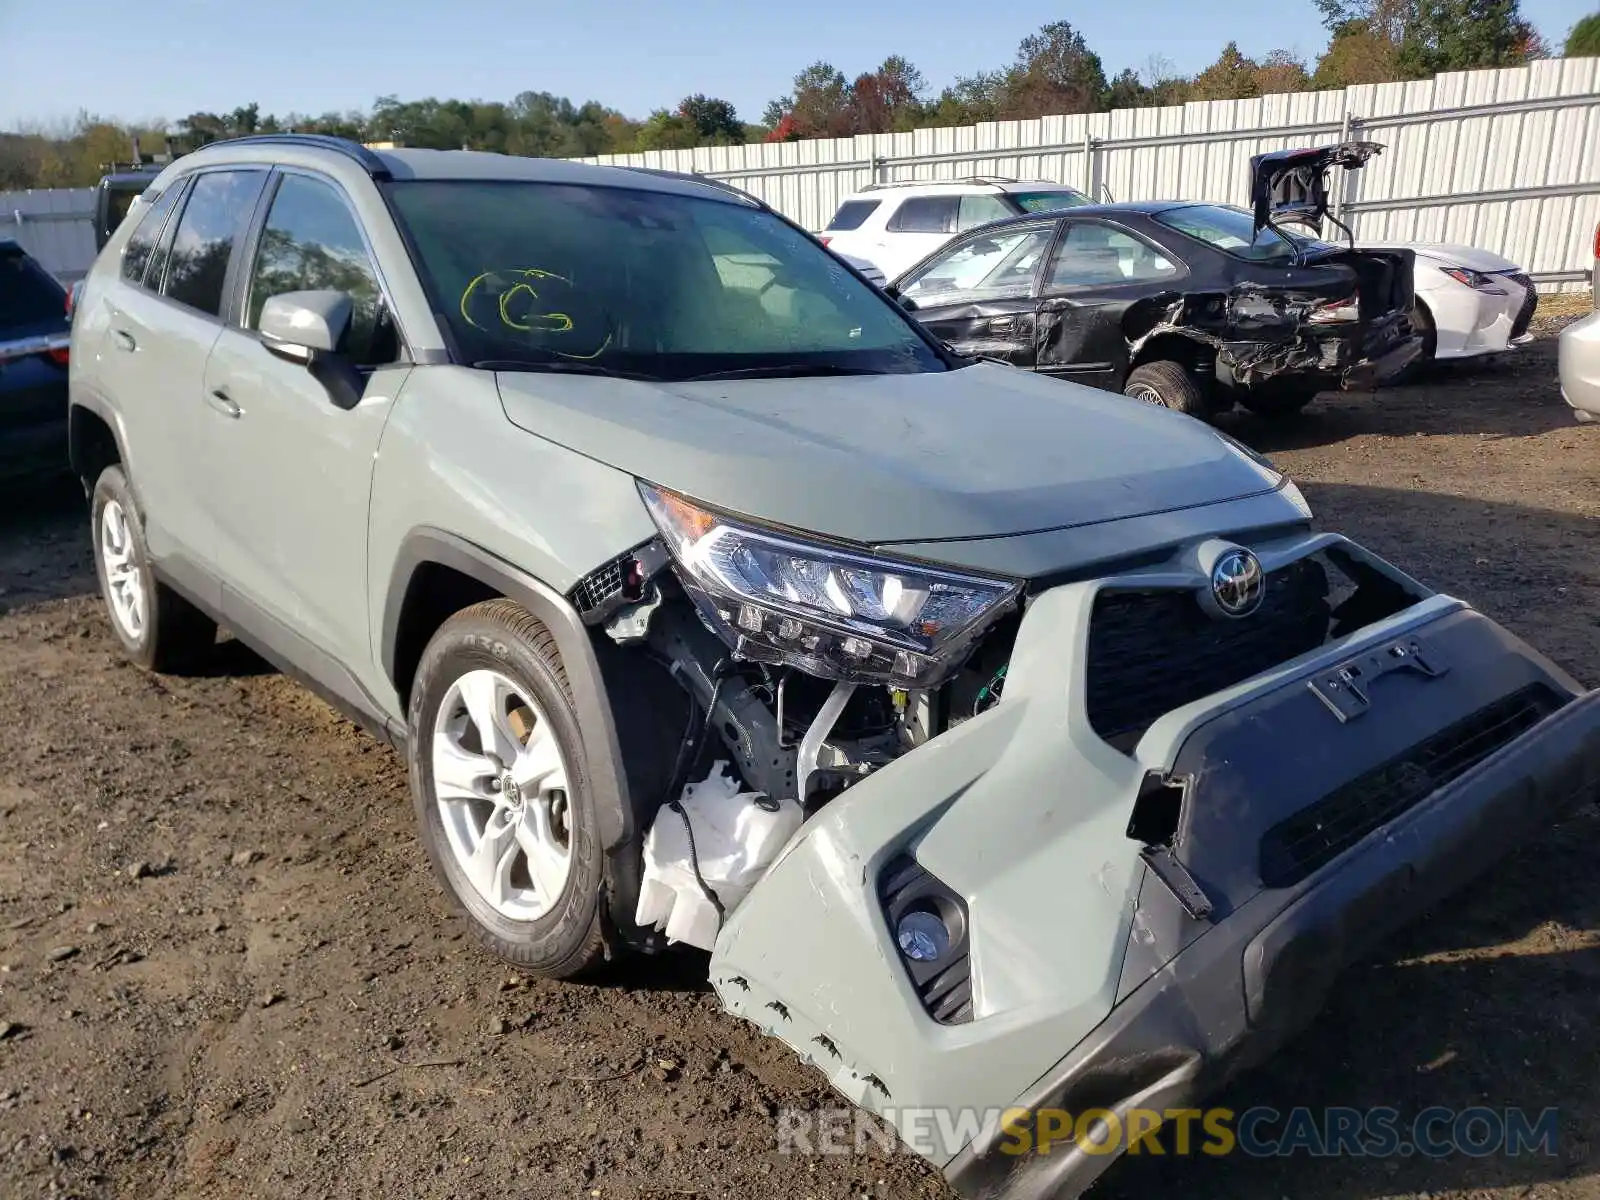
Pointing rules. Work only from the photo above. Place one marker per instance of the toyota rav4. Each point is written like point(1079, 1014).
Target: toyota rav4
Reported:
point(1025, 746)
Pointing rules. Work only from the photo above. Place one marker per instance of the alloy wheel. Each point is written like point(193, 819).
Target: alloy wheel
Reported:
point(500, 783)
point(124, 575)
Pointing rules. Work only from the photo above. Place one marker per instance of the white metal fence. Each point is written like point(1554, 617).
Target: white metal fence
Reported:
point(54, 225)
point(1506, 160)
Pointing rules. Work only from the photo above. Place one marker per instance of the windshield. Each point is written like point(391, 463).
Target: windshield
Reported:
point(1049, 201)
point(644, 283)
point(1232, 230)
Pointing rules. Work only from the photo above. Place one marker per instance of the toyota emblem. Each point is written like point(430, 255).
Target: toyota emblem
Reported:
point(1238, 583)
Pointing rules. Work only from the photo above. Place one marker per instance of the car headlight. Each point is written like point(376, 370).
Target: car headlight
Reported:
point(830, 611)
point(1476, 280)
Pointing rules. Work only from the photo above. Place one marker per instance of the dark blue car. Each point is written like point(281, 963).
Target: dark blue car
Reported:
point(34, 336)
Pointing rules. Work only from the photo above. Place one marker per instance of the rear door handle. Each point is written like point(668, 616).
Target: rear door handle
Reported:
point(223, 403)
point(124, 340)
point(1003, 325)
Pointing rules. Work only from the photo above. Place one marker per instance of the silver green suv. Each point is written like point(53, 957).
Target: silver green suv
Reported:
point(643, 524)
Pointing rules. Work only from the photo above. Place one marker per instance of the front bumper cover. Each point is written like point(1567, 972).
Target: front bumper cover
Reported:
point(1091, 983)
point(1184, 1032)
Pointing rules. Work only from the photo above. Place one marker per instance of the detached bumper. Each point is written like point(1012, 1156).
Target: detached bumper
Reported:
point(1127, 927)
point(1375, 372)
point(1189, 1029)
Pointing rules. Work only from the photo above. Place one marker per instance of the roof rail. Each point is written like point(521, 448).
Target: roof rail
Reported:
point(373, 165)
point(968, 179)
point(696, 177)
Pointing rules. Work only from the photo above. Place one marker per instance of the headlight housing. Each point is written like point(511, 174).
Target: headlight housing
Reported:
point(1476, 280)
point(830, 611)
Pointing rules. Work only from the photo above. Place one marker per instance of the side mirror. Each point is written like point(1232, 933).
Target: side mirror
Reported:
point(302, 325)
point(306, 328)
point(905, 302)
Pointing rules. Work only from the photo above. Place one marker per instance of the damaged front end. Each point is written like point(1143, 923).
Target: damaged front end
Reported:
point(1088, 843)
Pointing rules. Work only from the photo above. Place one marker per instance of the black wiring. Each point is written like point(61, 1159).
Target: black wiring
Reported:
point(689, 752)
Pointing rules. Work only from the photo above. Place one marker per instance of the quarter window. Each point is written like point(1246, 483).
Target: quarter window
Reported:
point(141, 247)
point(311, 243)
point(1094, 254)
point(925, 214)
point(219, 207)
point(997, 267)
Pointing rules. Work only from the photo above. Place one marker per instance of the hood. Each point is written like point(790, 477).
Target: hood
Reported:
point(1292, 185)
point(1452, 254)
point(982, 451)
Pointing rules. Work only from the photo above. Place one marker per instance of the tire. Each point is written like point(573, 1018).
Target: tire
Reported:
point(539, 904)
point(1417, 368)
point(1277, 402)
point(1170, 385)
point(159, 629)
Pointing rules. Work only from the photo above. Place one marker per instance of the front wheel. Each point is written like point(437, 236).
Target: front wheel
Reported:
point(1422, 325)
point(1169, 384)
point(501, 789)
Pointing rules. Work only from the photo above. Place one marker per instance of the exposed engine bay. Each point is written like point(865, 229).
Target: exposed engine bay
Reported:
point(786, 709)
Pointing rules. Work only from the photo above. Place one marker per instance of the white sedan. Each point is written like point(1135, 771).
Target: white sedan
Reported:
point(1469, 302)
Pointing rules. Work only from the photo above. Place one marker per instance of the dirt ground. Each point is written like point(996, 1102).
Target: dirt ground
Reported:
point(225, 969)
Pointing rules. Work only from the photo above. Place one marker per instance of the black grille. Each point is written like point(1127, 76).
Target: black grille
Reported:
point(1316, 835)
point(1152, 652)
point(599, 587)
point(1530, 305)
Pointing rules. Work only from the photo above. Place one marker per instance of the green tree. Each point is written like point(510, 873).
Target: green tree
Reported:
point(1280, 72)
point(1231, 77)
point(1584, 40)
point(1460, 35)
point(1357, 54)
point(1055, 72)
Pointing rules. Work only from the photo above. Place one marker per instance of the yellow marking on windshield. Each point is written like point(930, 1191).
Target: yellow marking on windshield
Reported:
point(535, 322)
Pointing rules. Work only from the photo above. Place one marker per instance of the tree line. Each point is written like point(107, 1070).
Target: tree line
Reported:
point(1054, 71)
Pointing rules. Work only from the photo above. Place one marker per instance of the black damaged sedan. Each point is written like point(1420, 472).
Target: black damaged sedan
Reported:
point(1192, 306)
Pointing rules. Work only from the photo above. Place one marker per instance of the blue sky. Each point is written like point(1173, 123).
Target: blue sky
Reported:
point(168, 58)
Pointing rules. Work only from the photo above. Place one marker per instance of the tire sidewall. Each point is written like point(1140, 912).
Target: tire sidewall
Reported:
point(113, 485)
point(469, 643)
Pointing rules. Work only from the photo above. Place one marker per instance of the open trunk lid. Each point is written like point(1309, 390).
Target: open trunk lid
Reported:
point(1292, 185)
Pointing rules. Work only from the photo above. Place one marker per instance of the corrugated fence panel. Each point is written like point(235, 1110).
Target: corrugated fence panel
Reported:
point(55, 225)
point(1508, 160)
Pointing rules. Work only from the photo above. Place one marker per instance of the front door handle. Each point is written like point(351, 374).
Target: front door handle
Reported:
point(1003, 325)
point(223, 403)
point(124, 340)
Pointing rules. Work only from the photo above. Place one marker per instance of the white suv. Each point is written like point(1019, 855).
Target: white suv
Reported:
point(895, 225)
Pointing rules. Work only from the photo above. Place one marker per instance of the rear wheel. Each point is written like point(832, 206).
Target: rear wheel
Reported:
point(501, 790)
point(158, 628)
point(1169, 384)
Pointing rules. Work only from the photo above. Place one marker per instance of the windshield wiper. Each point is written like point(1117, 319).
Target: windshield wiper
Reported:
point(784, 371)
point(560, 366)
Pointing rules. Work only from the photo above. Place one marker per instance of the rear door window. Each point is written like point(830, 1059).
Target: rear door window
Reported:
point(926, 214)
point(219, 207)
point(851, 215)
point(141, 247)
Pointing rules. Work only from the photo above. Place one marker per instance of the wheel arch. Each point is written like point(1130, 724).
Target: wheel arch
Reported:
point(94, 439)
point(435, 575)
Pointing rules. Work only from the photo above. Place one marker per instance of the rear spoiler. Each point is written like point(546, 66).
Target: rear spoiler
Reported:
point(1292, 185)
